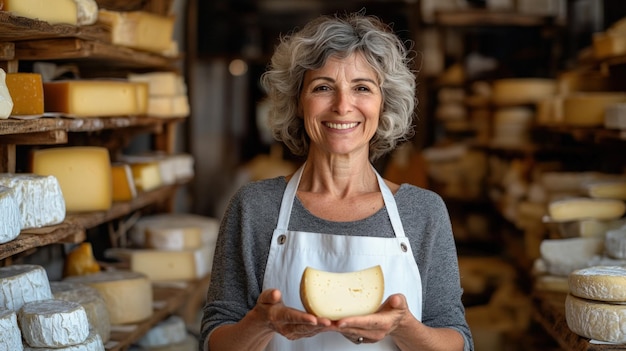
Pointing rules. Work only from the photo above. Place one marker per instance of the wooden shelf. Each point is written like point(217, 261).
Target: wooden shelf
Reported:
point(167, 300)
point(72, 230)
point(16, 28)
point(549, 311)
point(488, 18)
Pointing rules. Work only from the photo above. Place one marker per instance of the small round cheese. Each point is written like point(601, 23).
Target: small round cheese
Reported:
point(11, 335)
point(599, 283)
point(596, 320)
point(23, 283)
point(339, 295)
point(53, 323)
point(168, 332)
point(93, 343)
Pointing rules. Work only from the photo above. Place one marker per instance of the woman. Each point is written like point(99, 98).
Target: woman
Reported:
point(342, 95)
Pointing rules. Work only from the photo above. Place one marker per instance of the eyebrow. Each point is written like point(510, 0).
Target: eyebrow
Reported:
point(357, 80)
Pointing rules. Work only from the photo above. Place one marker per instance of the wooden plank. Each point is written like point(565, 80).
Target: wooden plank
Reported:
point(7, 51)
point(479, 17)
point(77, 49)
point(29, 239)
point(16, 28)
point(51, 137)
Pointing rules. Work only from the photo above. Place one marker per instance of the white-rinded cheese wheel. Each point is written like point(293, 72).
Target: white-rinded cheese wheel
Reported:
point(587, 109)
point(599, 283)
point(615, 243)
point(53, 323)
point(23, 283)
point(10, 331)
point(338, 295)
point(11, 223)
point(167, 332)
point(562, 256)
point(93, 343)
point(39, 197)
point(573, 209)
point(128, 295)
point(92, 302)
point(596, 320)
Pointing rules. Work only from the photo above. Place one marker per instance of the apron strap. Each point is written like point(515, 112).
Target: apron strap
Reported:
point(292, 187)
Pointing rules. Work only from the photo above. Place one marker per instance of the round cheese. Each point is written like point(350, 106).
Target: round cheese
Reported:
point(596, 320)
point(11, 223)
point(615, 243)
point(92, 302)
point(11, 335)
point(168, 332)
point(53, 323)
point(23, 283)
point(578, 208)
point(128, 295)
point(600, 283)
point(338, 295)
point(93, 343)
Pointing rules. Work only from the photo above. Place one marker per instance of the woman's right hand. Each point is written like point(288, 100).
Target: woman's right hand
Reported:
point(291, 323)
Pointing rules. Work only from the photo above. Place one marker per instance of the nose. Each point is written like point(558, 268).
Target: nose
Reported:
point(342, 103)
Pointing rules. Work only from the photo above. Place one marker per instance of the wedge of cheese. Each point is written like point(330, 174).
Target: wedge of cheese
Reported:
point(578, 208)
point(53, 11)
point(6, 101)
point(80, 261)
point(26, 90)
point(139, 30)
point(338, 295)
point(83, 172)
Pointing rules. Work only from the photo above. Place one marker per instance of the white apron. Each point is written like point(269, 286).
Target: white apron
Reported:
point(292, 251)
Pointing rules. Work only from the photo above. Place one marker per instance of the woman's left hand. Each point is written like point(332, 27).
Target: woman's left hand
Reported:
point(375, 327)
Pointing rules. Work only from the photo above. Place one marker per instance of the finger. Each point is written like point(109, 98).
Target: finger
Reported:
point(270, 296)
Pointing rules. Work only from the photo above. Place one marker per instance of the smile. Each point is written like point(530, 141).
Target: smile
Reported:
point(341, 125)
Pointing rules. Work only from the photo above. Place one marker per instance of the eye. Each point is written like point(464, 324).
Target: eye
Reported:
point(363, 88)
point(321, 88)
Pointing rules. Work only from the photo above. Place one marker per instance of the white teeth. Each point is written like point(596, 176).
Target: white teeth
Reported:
point(341, 125)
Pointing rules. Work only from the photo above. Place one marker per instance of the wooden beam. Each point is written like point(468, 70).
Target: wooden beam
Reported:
point(7, 158)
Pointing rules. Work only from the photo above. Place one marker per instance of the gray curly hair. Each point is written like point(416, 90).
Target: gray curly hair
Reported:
point(310, 47)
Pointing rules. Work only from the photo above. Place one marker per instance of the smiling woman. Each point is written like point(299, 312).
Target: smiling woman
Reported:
point(342, 94)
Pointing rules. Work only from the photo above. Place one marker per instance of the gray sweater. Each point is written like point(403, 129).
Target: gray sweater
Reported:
point(249, 222)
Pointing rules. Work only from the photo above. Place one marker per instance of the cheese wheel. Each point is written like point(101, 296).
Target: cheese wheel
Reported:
point(6, 101)
point(167, 332)
point(92, 302)
point(53, 323)
point(209, 226)
point(21, 283)
point(128, 295)
point(596, 320)
point(562, 256)
point(11, 223)
point(168, 265)
point(93, 343)
point(599, 283)
point(84, 173)
point(615, 243)
point(587, 109)
point(39, 197)
point(11, 334)
point(147, 175)
point(610, 189)
point(139, 30)
point(161, 83)
point(578, 208)
point(338, 295)
point(53, 11)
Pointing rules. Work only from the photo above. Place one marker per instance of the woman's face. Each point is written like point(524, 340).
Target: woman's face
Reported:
point(341, 103)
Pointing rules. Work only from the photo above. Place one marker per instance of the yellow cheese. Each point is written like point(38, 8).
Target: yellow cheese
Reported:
point(608, 189)
point(139, 30)
point(163, 265)
point(26, 90)
point(83, 172)
point(607, 44)
point(514, 91)
point(128, 295)
point(168, 106)
point(53, 11)
point(161, 83)
point(81, 261)
point(339, 295)
point(587, 109)
point(123, 182)
point(172, 237)
point(147, 175)
point(143, 96)
point(6, 102)
point(573, 209)
point(93, 98)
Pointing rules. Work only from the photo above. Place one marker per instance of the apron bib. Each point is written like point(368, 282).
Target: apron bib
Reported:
point(292, 251)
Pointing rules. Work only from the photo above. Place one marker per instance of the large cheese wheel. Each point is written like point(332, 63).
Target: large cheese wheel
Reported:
point(338, 295)
point(168, 265)
point(600, 283)
point(139, 29)
point(11, 223)
point(128, 295)
point(596, 320)
point(21, 283)
point(84, 173)
point(10, 331)
point(53, 323)
point(92, 302)
point(166, 221)
point(93, 343)
point(573, 209)
point(39, 197)
point(53, 11)
point(563, 256)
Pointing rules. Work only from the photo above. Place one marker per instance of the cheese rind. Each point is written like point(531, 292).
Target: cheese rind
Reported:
point(123, 182)
point(562, 256)
point(339, 295)
point(93, 343)
point(11, 223)
point(11, 334)
point(86, 12)
point(6, 101)
point(92, 302)
point(39, 197)
point(128, 295)
point(209, 225)
point(599, 283)
point(573, 209)
point(53, 323)
point(22, 283)
point(26, 90)
point(84, 173)
point(596, 320)
point(53, 11)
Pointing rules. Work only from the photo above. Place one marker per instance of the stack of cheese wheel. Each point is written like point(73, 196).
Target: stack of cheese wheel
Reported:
point(167, 93)
point(595, 308)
